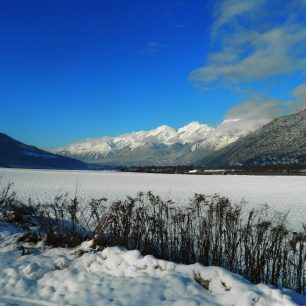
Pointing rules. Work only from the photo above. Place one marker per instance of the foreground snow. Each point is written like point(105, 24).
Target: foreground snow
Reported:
point(82, 276)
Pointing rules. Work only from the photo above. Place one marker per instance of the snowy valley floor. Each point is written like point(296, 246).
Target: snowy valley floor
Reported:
point(82, 276)
point(282, 193)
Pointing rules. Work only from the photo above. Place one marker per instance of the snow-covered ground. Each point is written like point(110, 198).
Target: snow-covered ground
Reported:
point(281, 192)
point(82, 276)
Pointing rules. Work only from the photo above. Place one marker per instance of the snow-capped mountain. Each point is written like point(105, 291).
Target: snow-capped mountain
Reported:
point(163, 145)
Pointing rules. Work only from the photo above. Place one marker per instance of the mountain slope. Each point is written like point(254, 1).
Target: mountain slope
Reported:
point(16, 154)
point(281, 141)
point(161, 146)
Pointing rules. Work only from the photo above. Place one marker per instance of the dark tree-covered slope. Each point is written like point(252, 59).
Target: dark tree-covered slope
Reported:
point(16, 154)
point(281, 141)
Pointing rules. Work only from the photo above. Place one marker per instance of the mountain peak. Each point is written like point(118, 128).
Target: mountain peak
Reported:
point(193, 126)
point(163, 128)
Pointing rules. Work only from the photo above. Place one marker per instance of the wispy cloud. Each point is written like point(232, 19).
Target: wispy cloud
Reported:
point(153, 48)
point(299, 94)
point(263, 110)
point(257, 109)
point(254, 40)
point(226, 11)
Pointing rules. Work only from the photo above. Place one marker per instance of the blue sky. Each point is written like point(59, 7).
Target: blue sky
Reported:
point(73, 69)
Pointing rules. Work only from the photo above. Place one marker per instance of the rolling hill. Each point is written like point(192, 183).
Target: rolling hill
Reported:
point(15, 154)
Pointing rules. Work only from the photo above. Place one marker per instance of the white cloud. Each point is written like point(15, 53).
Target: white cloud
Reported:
point(227, 10)
point(299, 94)
point(250, 115)
point(257, 109)
point(254, 40)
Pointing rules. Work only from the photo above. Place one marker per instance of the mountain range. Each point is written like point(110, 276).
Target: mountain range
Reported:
point(235, 142)
point(161, 146)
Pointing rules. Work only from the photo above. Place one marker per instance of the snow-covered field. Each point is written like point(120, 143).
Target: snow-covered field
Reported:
point(114, 276)
point(83, 276)
point(281, 192)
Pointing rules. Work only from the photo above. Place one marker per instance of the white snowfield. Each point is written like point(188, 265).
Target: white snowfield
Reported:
point(82, 276)
point(282, 193)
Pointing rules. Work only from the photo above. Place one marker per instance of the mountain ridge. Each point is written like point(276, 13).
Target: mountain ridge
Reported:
point(282, 141)
point(163, 145)
point(15, 154)
point(235, 142)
